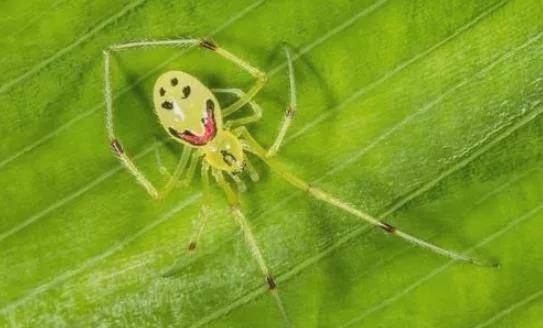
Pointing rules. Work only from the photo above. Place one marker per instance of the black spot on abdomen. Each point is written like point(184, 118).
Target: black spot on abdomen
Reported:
point(167, 105)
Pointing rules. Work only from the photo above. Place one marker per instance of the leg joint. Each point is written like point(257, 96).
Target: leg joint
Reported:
point(207, 44)
point(238, 92)
point(192, 246)
point(387, 227)
point(271, 283)
point(316, 192)
point(261, 76)
point(258, 114)
point(291, 110)
point(117, 147)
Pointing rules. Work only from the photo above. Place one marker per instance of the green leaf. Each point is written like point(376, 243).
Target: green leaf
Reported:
point(425, 112)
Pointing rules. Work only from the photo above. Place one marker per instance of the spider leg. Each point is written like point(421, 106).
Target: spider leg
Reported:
point(257, 110)
point(261, 77)
point(233, 200)
point(175, 179)
point(196, 157)
point(253, 174)
point(125, 159)
point(241, 186)
point(289, 112)
point(205, 210)
point(177, 43)
point(255, 116)
point(252, 146)
point(161, 168)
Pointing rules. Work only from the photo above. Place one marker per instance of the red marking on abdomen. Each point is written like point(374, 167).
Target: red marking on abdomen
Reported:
point(210, 130)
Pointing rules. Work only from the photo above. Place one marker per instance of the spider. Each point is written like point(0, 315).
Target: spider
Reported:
point(190, 114)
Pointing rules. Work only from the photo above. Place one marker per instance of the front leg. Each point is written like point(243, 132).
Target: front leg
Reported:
point(251, 145)
point(289, 112)
point(261, 77)
point(255, 116)
point(120, 151)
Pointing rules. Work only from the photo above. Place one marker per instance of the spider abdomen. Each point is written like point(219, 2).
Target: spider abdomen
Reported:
point(186, 108)
point(191, 114)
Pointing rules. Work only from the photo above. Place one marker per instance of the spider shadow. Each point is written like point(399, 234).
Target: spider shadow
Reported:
point(277, 56)
point(437, 225)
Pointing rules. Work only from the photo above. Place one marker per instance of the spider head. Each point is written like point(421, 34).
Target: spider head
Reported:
point(186, 108)
point(225, 153)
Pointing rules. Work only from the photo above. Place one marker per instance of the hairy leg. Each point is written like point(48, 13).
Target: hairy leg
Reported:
point(233, 200)
point(252, 146)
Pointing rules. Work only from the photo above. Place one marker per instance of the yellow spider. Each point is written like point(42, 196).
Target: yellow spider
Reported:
point(191, 114)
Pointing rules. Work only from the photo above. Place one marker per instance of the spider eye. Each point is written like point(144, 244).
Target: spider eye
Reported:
point(167, 105)
point(174, 81)
point(186, 91)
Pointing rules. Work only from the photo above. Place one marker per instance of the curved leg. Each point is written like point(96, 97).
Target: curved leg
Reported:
point(241, 186)
point(253, 174)
point(117, 147)
point(257, 110)
point(289, 112)
point(161, 168)
point(196, 157)
point(261, 77)
point(175, 178)
point(205, 211)
point(252, 146)
point(233, 200)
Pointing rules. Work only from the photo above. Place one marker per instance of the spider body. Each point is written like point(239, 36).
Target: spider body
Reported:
point(191, 114)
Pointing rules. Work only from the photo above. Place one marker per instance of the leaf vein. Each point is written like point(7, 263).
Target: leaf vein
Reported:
point(442, 268)
point(505, 312)
point(38, 67)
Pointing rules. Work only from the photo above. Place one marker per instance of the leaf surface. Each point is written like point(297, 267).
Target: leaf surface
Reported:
point(426, 113)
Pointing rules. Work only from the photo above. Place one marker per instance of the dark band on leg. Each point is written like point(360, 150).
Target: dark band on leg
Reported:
point(290, 111)
point(117, 147)
point(192, 246)
point(208, 45)
point(387, 227)
point(271, 283)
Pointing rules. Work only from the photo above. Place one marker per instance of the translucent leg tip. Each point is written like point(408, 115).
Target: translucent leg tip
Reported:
point(495, 265)
point(484, 263)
